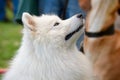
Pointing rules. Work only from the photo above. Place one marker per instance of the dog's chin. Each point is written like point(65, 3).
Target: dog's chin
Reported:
point(70, 35)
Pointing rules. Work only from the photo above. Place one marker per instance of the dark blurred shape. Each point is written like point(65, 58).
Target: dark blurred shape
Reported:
point(2, 11)
point(9, 4)
point(30, 6)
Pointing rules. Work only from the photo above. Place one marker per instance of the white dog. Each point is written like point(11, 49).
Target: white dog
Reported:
point(48, 50)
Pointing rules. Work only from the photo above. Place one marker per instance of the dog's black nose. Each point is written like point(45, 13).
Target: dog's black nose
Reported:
point(79, 16)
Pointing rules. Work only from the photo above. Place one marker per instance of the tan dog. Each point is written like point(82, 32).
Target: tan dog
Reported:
point(102, 42)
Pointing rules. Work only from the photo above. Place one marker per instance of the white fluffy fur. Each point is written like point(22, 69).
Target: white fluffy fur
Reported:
point(45, 55)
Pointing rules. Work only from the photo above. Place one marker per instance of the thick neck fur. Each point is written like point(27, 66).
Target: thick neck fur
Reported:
point(45, 48)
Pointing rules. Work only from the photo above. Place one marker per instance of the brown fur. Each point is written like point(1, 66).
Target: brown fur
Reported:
point(104, 51)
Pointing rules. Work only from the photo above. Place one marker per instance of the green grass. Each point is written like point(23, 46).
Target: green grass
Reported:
point(10, 37)
point(0, 77)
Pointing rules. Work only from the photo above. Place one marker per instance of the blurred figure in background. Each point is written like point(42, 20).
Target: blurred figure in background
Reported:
point(15, 6)
point(11, 5)
point(3, 16)
point(63, 8)
point(2, 10)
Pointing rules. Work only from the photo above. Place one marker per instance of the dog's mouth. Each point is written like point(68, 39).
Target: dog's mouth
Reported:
point(72, 33)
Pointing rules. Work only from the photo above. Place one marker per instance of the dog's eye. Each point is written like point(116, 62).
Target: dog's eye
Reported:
point(56, 24)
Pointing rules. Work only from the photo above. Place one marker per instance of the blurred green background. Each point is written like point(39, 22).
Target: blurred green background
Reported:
point(9, 41)
point(10, 37)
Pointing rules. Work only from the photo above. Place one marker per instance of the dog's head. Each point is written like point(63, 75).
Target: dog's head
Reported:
point(51, 29)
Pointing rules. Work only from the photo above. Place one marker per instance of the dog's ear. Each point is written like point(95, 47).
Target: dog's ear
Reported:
point(119, 8)
point(28, 21)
